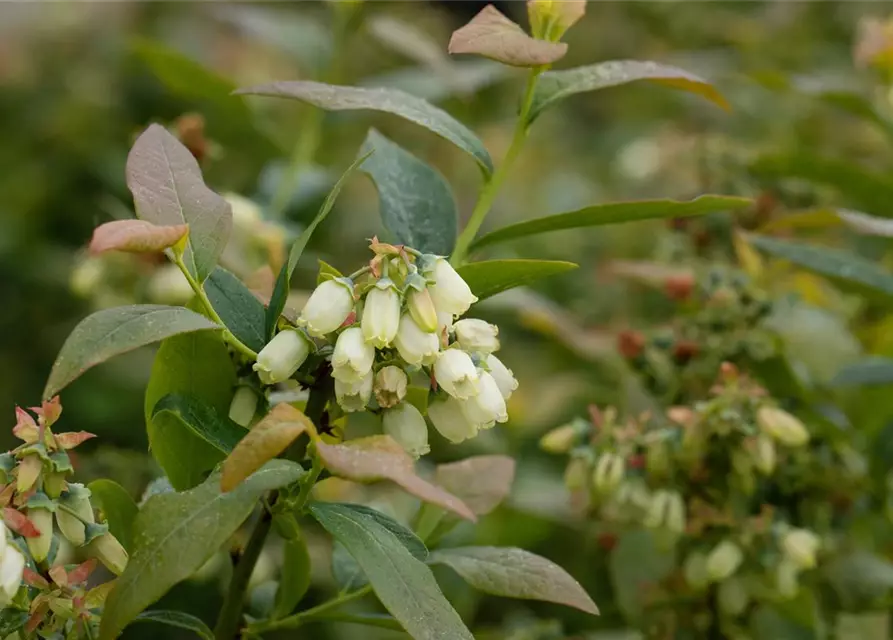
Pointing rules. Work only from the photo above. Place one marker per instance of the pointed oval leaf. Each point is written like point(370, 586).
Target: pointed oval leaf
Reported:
point(196, 365)
point(111, 332)
point(177, 619)
point(406, 38)
point(283, 280)
point(340, 98)
point(403, 583)
point(873, 370)
point(266, 440)
point(515, 573)
point(614, 213)
point(415, 202)
point(377, 458)
point(167, 187)
point(489, 277)
point(847, 270)
point(202, 419)
point(492, 35)
point(557, 85)
point(135, 236)
point(406, 537)
point(176, 533)
point(482, 482)
point(118, 508)
point(240, 310)
point(870, 225)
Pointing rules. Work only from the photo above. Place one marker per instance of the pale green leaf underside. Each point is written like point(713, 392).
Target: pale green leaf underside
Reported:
point(179, 620)
point(489, 277)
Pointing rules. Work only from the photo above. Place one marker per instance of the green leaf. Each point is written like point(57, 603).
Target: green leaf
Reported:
point(847, 270)
point(860, 188)
point(380, 620)
point(406, 537)
point(490, 277)
point(515, 573)
point(176, 533)
point(167, 187)
point(409, 107)
point(636, 560)
point(283, 280)
point(864, 223)
point(614, 213)
point(481, 482)
point(177, 619)
point(874, 370)
point(557, 85)
point(240, 310)
point(492, 35)
point(11, 620)
point(415, 202)
point(868, 625)
point(202, 419)
point(111, 332)
point(294, 577)
point(118, 508)
point(403, 583)
point(347, 573)
point(198, 366)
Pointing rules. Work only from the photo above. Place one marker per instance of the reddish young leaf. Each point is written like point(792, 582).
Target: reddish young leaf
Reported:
point(34, 579)
point(49, 410)
point(482, 482)
point(39, 609)
point(25, 427)
point(135, 236)
point(81, 572)
point(59, 575)
point(18, 522)
point(71, 439)
point(266, 440)
point(381, 458)
point(492, 35)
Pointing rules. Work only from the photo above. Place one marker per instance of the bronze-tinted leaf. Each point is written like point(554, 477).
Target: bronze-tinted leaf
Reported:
point(135, 236)
point(381, 458)
point(482, 482)
point(266, 440)
point(494, 36)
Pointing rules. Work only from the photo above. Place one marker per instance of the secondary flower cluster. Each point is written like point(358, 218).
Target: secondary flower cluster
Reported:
point(393, 326)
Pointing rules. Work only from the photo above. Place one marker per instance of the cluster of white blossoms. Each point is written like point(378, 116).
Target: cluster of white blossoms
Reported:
point(392, 326)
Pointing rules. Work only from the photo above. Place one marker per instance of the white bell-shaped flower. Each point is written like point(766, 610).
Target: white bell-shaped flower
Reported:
point(477, 335)
point(444, 323)
point(414, 345)
point(448, 418)
point(390, 386)
point(353, 356)
point(282, 356)
point(243, 406)
point(12, 564)
point(381, 314)
point(328, 307)
point(406, 425)
point(456, 374)
point(421, 308)
point(504, 377)
point(450, 292)
point(354, 396)
point(487, 407)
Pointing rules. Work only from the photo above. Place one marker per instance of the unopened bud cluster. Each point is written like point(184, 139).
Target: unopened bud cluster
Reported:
point(397, 326)
point(43, 510)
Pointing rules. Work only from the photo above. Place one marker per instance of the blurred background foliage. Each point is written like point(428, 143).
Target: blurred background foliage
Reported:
point(809, 133)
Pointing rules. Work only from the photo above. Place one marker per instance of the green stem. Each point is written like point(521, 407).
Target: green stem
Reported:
point(297, 619)
point(494, 183)
point(200, 292)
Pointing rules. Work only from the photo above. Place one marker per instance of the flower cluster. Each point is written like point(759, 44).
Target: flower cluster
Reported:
point(393, 326)
point(35, 495)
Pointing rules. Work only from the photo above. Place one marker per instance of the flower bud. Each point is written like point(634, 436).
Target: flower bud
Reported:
point(54, 484)
point(73, 511)
point(243, 406)
point(782, 426)
point(390, 386)
point(414, 345)
point(576, 475)
point(381, 314)
point(723, 561)
point(800, 546)
point(450, 292)
point(12, 565)
point(353, 356)
point(449, 419)
point(561, 439)
point(421, 308)
point(609, 472)
point(695, 570)
point(456, 374)
point(282, 356)
point(354, 396)
point(328, 307)
point(39, 546)
point(28, 472)
point(504, 377)
point(487, 407)
point(732, 597)
point(656, 513)
point(476, 335)
point(109, 552)
point(764, 454)
point(406, 425)
point(786, 578)
point(87, 276)
point(675, 514)
point(657, 459)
